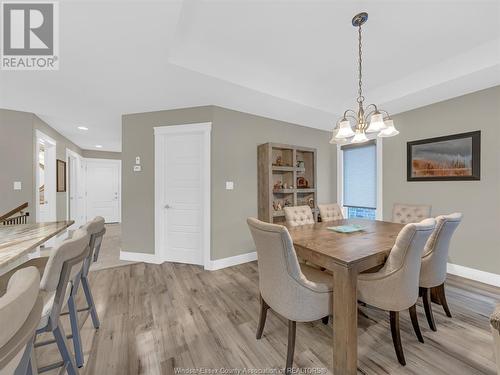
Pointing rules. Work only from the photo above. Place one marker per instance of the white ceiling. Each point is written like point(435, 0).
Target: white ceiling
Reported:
point(292, 60)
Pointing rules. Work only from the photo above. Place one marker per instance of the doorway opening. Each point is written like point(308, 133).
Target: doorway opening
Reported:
point(45, 178)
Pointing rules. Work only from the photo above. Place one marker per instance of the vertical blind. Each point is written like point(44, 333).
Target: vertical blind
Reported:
point(360, 176)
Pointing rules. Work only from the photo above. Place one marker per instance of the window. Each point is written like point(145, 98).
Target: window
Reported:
point(360, 180)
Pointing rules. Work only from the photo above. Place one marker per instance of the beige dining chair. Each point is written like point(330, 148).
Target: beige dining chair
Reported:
point(298, 215)
point(330, 212)
point(495, 330)
point(61, 274)
point(410, 213)
point(297, 292)
point(434, 262)
point(394, 287)
point(20, 311)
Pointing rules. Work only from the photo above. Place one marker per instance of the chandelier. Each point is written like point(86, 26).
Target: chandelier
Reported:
point(369, 119)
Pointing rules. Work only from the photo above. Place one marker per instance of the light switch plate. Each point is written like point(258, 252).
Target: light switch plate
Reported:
point(137, 168)
point(229, 185)
point(17, 185)
point(137, 160)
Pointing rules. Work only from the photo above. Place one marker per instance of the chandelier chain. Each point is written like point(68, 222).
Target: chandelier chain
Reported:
point(360, 73)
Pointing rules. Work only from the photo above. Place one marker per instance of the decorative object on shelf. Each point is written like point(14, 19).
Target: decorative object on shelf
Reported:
point(310, 202)
point(277, 206)
point(279, 161)
point(369, 119)
point(302, 183)
point(287, 203)
point(61, 176)
point(453, 157)
point(277, 185)
point(301, 164)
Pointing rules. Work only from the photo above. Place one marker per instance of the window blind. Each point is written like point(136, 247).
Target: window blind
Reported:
point(360, 176)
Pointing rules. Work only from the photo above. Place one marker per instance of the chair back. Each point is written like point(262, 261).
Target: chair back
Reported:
point(402, 267)
point(96, 230)
point(298, 215)
point(20, 311)
point(279, 267)
point(410, 213)
point(65, 265)
point(330, 212)
point(435, 257)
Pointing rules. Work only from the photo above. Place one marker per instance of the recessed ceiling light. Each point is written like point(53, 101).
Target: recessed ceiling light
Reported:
point(98, 146)
point(83, 128)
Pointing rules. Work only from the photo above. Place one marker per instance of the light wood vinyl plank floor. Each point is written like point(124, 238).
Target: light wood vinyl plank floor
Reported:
point(155, 318)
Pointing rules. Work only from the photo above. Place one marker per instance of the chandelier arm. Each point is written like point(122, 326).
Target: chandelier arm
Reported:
point(349, 111)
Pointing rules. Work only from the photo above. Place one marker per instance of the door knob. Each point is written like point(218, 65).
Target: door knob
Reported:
point(167, 206)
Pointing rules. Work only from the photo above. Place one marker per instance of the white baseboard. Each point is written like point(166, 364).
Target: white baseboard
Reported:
point(473, 274)
point(140, 257)
point(218, 264)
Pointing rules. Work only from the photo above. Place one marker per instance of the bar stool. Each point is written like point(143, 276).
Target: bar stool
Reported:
point(95, 230)
point(60, 276)
point(20, 311)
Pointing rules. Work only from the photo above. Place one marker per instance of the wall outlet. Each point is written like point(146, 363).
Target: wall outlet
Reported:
point(229, 185)
point(17, 185)
point(137, 160)
point(137, 168)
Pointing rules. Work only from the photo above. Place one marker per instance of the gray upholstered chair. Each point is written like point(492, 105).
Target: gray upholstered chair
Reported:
point(95, 230)
point(495, 330)
point(330, 212)
point(61, 274)
point(410, 213)
point(295, 291)
point(298, 215)
point(434, 262)
point(20, 311)
point(394, 287)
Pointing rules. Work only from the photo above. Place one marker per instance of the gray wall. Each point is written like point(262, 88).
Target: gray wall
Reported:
point(235, 137)
point(476, 243)
point(95, 154)
point(17, 148)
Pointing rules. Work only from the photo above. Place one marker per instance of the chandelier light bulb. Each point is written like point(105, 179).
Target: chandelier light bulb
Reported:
point(360, 137)
point(345, 130)
point(376, 123)
point(390, 130)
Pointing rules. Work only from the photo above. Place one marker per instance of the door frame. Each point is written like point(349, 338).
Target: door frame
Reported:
point(80, 185)
point(118, 162)
point(51, 176)
point(205, 129)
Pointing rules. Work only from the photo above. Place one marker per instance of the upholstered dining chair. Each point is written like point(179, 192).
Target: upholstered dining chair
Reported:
point(495, 330)
point(62, 272)
point(330, 212)
point(20, 312)
point(434, 262)
point(297, 292)
point(410, 213)
point(394, 287)
point(299, 215)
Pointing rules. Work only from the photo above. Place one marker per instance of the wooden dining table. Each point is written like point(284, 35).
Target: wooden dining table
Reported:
point(18, 241)
point(345, 255)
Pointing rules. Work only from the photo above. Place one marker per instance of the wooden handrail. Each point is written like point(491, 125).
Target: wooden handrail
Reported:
point(14, 211)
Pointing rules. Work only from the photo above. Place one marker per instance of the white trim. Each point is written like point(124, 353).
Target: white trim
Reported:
point(50, 175)
point(139, 257)
point(473, 274)
point(218, 264)
point(379, 215)
point(105, 161)
point(206, 129)
point(80, 185)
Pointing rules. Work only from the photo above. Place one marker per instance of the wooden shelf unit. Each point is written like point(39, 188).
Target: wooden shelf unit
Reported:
point(269, 173)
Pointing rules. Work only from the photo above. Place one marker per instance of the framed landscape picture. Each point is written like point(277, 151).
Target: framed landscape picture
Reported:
point(451, 158)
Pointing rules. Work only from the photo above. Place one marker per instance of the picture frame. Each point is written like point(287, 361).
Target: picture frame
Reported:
point(454, 157)
point(60, 176)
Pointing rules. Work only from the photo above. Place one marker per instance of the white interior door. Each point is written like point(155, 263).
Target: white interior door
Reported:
point(75, 188)
point(45, 176)
point(103, 189)
point(182, 193)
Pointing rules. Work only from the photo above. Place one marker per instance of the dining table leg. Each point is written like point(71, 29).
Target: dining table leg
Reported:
point(345, 320)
